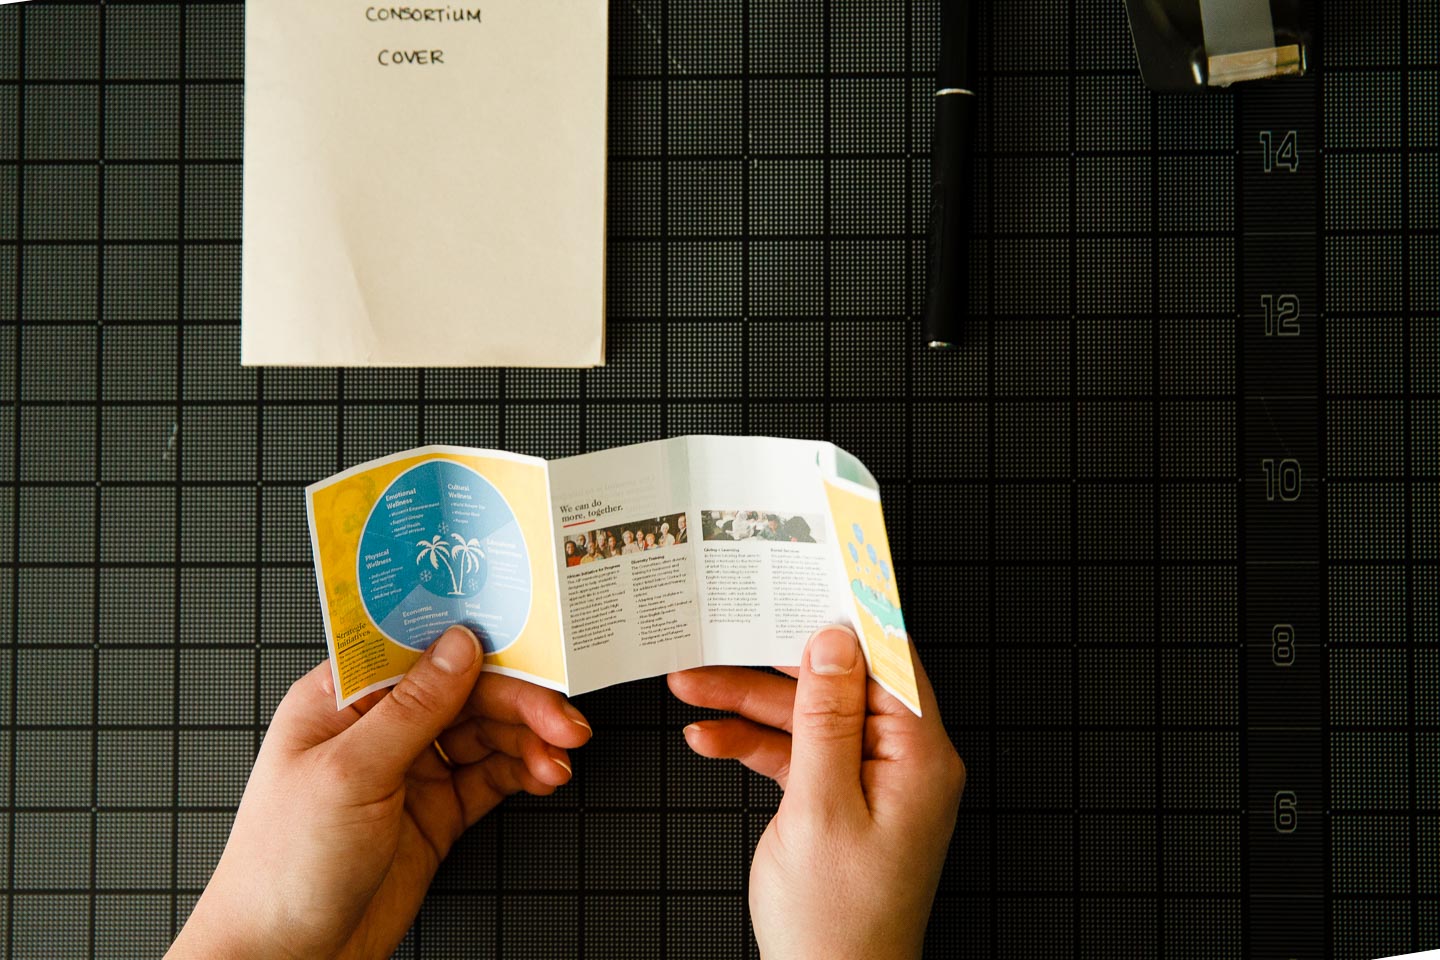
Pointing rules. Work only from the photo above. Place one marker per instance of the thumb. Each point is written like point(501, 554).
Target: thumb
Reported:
point(828, 727)
point(388, 739)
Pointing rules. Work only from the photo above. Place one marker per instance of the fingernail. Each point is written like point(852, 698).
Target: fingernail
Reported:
point(692, 729)
point(576, 717)
point(456, 650)
point(833, 651)
point(562, 763)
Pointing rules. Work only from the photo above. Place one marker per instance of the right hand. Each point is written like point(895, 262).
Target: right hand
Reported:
point(849, 865)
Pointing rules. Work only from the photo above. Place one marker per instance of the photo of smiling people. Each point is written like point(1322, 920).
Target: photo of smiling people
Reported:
point(761, 525)
point(626, 539)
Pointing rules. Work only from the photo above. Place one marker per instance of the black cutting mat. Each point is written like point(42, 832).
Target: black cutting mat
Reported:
point(1064, 491)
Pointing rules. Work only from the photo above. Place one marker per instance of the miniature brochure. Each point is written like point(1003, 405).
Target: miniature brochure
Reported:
point(611, 566)
point(416, 178)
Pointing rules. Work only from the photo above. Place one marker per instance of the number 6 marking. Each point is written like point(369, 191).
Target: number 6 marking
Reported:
point(1287, 818)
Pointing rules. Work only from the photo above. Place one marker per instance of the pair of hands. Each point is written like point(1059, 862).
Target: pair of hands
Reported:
point(348, 814)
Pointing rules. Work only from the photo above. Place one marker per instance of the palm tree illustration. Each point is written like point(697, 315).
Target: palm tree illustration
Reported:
point(439, 552)
point(469, 554)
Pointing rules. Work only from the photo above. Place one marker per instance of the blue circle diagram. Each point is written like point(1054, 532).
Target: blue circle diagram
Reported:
point(441, 546)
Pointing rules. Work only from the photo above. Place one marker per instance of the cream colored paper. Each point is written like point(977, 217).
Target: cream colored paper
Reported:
point(423, 213)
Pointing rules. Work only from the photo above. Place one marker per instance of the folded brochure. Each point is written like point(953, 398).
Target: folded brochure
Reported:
point(598, 569)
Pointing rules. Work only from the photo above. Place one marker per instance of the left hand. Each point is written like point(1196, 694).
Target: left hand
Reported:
point(348, 814)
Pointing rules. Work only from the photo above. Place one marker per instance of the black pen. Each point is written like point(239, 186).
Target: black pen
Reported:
point(952, 164)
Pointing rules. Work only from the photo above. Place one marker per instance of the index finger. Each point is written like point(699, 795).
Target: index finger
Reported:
point(511, 700)
point(883, 701)
point(306, 716)
point(908, 749)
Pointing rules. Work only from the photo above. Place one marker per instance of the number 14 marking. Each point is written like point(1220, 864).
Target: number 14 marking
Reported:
point(1285, 154)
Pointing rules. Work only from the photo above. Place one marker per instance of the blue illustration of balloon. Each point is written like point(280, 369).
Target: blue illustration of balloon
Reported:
point(870, 552)
point(854, 554)
point(859, 534)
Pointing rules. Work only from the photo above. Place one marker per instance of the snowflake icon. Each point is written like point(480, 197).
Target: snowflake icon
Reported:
point(444, 529)
point(425, 576)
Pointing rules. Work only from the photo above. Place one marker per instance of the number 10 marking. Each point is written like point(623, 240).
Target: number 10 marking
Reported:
point(1282, 480)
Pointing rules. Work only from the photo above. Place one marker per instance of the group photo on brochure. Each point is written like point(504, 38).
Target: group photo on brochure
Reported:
point(626, 539)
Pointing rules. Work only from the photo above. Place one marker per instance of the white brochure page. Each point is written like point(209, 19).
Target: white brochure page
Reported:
point(768, 574)
point(627, 568)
